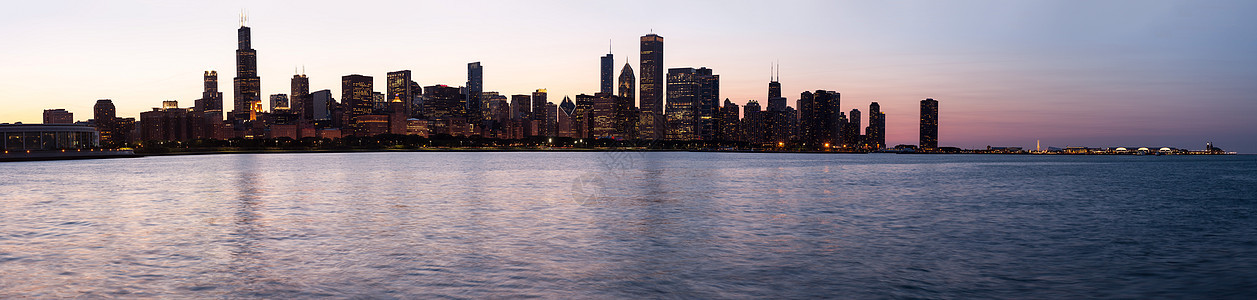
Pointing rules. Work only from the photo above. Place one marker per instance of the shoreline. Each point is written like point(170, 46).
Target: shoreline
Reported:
point(51, 156)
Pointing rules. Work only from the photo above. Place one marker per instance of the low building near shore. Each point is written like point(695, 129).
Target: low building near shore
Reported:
point(48, 137)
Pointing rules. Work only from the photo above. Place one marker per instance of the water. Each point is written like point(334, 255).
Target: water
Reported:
point(630, 225)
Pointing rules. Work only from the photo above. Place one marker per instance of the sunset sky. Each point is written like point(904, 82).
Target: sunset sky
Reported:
point(1005, 73)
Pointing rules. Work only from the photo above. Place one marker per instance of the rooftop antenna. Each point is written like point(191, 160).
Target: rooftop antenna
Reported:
point(608, 46)
point(303, 69)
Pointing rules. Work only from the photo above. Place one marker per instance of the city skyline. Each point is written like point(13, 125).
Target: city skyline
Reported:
point(979, 110)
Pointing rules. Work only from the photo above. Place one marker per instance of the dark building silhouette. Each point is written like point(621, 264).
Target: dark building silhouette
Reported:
point(929, 124)
point(248, 87)
point(628, 83)
point(170, 123)
point(607, 74)
point(753, 123)
point(729, 127)
point(652, 85)
point(683, 104)
point(851, 137)
point(583, 116)
point(566, 118)
point(875, 134)
point(357, 95)
point(58, 116)
point(105, 116)
point(300, 102)
point(708, 104)
point(444, 102)
point(539, 115)
point(775, 101)
point(693, 102)
point(552, 118)
point(521, 107)
point(211, 101)
point(475, 93)
point(819, 118)
point(779, 126)
point(603, 115)
point(279, 102)
point(323, 103)
point(446, 110)
point(402, 88)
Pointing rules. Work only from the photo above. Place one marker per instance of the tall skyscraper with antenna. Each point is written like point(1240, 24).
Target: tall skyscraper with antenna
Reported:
point(301, 104)
point(607, 82)
point(248, 87)
point(775, 101)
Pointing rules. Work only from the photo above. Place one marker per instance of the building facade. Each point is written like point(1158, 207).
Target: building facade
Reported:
point(248, 86)
point(651, 87)
point(929, 124)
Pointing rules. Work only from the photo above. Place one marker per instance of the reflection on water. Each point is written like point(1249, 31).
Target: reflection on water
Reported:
point(629, 225)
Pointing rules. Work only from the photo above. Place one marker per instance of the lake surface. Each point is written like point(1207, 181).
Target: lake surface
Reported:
point(630, 225)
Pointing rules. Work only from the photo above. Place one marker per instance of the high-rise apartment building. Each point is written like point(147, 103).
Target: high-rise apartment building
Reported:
point(875, 134)
point(929, 124)
point(105, 116)
point(819, 117)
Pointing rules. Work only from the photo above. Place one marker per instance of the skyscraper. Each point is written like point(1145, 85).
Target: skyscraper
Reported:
point(248, 87)
point(929, 124)
point(539, 111)
point(521, 107)
point(475, 90)
point(400, 89)
point(356, 92)
point(875, 134)
point(300, 102)
point(651, 95)
point(106, 117)
point(211, 99)
point(279, 102)
point(820, 117)
point(851, 133)
point(753, 122)
point(628, 83)
point(323, 104)
point(444, 102)
point(775, 101)
point(729, 122)
point(708, 103)
point(693, 103)
point(607, 82)
point(682, 112)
